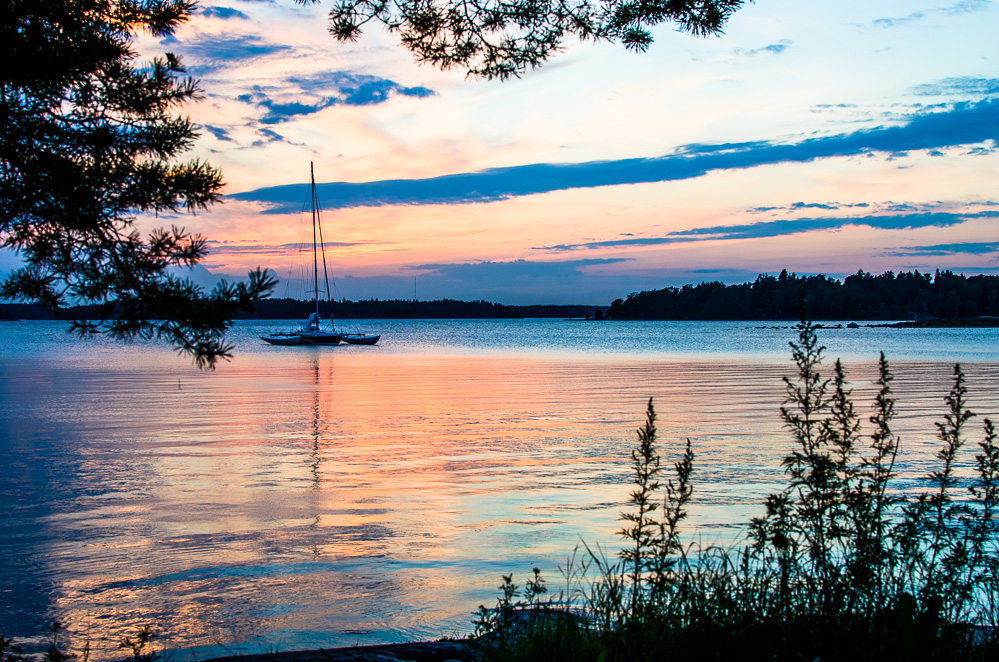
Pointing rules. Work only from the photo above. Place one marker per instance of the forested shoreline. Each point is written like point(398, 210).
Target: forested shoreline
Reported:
point(367, 309)
point(923, 297)
point(863, 296)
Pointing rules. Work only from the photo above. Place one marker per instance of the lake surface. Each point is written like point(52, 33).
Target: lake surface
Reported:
point(312, 497)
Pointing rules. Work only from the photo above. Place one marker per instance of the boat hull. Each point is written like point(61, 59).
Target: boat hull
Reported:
point(319, 338)
point(360, 339)
point(282, 339)
point(308, 338)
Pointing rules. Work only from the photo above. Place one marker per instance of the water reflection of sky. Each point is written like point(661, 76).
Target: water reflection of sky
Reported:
point(333, 496)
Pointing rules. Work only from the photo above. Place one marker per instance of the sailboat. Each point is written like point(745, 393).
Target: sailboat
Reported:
point(309, 331)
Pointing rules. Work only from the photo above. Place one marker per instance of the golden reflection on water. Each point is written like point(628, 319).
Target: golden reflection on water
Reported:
point(322, 498)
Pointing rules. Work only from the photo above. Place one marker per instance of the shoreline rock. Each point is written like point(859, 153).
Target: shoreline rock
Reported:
point(448, 650)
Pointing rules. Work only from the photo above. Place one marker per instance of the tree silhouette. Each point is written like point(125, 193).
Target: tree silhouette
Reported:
point(88, 140)
point(503, 38)
point(861, 296)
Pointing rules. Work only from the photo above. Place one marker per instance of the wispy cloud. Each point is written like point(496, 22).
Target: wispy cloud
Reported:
point(960, 7)
point(269, 136)
point(220, 133)
point(225, 13)
point(974, 86)
point(898, 21)
point(354, 89)
point(968, 6)
point(218, 249)
point(772, 49)
point(968, 248)
point(960, 124)
point(513, 269)
point(797, 206)
point(299, 95)
point(784, 227)
point(523, 281)
point(209, 53)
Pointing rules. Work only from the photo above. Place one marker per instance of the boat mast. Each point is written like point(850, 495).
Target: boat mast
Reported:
point(315, 264)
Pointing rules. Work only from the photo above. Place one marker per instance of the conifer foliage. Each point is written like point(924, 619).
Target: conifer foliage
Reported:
point(504, 38)
point(89, 138)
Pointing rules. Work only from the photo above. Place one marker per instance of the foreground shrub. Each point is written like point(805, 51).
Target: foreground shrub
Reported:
point(140, 648)
point(838, 567)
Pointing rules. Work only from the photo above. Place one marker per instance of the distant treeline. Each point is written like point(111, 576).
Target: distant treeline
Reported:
point(412, 309)
point(862, 296)
point(370, 309)
point(908, 295)
point(33, 311)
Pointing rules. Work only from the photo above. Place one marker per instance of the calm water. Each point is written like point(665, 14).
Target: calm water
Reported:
point(307, 497)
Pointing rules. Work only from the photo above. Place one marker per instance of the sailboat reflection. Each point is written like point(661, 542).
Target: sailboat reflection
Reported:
point(316, 456)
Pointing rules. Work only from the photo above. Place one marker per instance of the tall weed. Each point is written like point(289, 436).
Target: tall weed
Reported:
point(838, 567)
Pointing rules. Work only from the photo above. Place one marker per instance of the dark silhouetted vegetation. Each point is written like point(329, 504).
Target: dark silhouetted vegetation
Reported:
point(386, 309)
point(941, 299)
point(864, 296)
point(369, 309)
point(140, 648)
point(501, 39)
point(89, 138)
point(444, 309)
point(841, 566)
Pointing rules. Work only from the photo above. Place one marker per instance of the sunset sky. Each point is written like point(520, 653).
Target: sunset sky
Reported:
point(820, 137)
